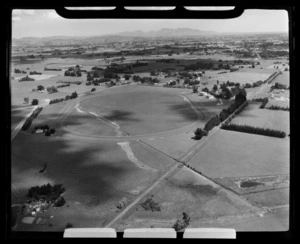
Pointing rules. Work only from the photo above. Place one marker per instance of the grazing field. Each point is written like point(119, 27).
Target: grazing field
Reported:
point(271, 198)
point(96, 175)
point(186, 192)
point(235, 154)
point(283, 78)
point(252, 115)
point(134, 110)
point(242, 76)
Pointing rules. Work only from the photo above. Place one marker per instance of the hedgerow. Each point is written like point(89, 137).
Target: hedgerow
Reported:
point(254, 130)
point(29, 120)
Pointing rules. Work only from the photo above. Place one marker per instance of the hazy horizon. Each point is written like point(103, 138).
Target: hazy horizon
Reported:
point(47, 23)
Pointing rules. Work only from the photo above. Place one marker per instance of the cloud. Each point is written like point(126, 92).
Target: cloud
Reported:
point(18, 12)
point(16, 18)
point(51, 14)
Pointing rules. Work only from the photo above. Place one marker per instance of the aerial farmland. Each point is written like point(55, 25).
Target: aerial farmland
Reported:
point(134, 132)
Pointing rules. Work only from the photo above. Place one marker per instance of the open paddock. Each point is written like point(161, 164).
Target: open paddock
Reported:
point(130, 110)
point(188, 192)
point(252, 115)
point(96, 175)
point(235, 154)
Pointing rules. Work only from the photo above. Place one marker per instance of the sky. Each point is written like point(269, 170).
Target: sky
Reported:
point(41, 23)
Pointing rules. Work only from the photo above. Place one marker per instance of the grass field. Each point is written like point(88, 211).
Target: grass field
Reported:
point(136, 110)
point(272, 119)
point(96, 175)
point(283, 78)
point(186, 192)
point(235, 154)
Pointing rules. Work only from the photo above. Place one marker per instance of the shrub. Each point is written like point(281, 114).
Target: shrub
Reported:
point(34, 102)
point(74, 95)
point(52, 131)
point(150, 204)
point(40, 88)
point(26, 99)
point(93, 89)
point(52, 89)
point(247, 85)
point(254, 130)
point(199, 133)
point(47, 133)
point(88, 83)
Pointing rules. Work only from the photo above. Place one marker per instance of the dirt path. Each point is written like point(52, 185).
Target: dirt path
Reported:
point(130, 155)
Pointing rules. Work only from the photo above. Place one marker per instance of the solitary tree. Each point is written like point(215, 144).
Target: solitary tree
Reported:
point(34, 102)
point(195, 89)
point(215, 87)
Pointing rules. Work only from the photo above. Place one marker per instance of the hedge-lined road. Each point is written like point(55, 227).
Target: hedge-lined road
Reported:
point(16, 130)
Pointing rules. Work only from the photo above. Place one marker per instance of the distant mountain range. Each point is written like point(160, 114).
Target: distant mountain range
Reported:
point(122, 36)
point(138, 35)
point(167, 32)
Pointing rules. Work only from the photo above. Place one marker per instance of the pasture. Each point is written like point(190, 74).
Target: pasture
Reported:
point(187, 192)
point(235, 154)
point(96, 175)
point(134, 110)
point(252, 115)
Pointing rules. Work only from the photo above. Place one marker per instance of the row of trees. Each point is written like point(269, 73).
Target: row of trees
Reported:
point(254, 130)
point(278, 86)
point(60, 86)
point(26, 78)
point(70, 82)
point(29, 120)
point(240, 98)
point(57, 100)
point(274, 107)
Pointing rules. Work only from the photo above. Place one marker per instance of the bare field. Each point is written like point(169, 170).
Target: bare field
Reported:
point(270, 119)
point(235, 154)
